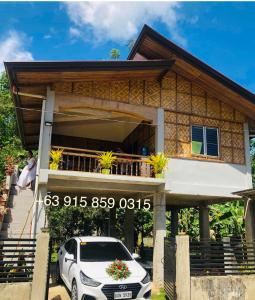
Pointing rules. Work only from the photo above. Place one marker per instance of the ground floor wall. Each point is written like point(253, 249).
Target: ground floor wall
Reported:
point(17, 291)
point(223, 287)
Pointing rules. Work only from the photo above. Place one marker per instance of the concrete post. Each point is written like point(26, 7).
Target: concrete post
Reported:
point(159, 134)
point(39, 283)
point(204, 222)
point(39, 214)
point(159, 233)
point(249, 220)
point(112, 216)
point(174, 221)
point(129, 229)
point(182, 267)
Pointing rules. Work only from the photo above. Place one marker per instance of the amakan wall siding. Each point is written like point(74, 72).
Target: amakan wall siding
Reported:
point(184, 102)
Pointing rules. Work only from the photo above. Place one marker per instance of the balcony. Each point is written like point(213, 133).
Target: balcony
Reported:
point(85, 160)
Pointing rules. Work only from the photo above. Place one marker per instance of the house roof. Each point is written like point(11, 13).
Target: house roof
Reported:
point(147, 44)
point(152, 45)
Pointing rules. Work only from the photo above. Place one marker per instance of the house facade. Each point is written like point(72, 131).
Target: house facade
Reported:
point(161, 99)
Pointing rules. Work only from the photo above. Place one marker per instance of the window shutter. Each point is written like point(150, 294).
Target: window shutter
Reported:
point(197, 140)
point(212, 145)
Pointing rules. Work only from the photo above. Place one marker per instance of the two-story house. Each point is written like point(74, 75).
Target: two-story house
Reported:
point(161, 99)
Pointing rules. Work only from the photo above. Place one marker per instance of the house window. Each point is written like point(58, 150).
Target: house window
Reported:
point(205, 140)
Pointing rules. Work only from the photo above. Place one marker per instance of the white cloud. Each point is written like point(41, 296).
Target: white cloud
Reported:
point(121, 21)
point(74, 32)
point(12, 48)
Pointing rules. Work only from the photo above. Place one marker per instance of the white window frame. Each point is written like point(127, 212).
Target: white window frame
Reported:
point(205, 140)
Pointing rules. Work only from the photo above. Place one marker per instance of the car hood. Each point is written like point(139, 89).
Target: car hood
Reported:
point(97, 271)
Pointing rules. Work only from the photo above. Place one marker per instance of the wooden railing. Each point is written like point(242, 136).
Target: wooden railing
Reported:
point(84, 160)
point(222, 257)
point(17, 260)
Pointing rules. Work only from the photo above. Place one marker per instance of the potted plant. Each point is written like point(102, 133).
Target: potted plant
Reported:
point(158, 163)
point(56, 156)
point(106, 160)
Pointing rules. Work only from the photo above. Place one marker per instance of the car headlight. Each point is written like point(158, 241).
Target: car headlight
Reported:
point(88, 281)
point(146, 279)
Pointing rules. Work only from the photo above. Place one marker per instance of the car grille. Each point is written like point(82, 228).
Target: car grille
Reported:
point(110, 289)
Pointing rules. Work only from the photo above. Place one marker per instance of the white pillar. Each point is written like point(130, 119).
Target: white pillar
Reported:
point(249, 220)
point(129, 229)
point(204, 222)
point(159, 134)
point(247, 156)
point(159, 233)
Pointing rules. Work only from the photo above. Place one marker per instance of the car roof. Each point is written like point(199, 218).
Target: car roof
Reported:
point(95, 239)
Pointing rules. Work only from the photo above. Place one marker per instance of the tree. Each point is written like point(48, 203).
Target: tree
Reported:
point(115, 54)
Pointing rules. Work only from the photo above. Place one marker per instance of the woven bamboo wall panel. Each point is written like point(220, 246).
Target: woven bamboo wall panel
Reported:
point(237, 127)
point(239, 117)
point(120, 91)
point(197, 91)
point(170, 148)
point(183, 119)
point(169, 82)
point(213, 108)
point(194, 120)
point(184, 102)
point(183, 133)
point(136, 92)
point(168, 99)
point(227, 112)
point(238, 156)
point(152, 93)
point(238, 140)
point(226, 126)
point(199, 105)
point(83, 88)
point(101, 89)
point(63, 88)
point(226, 154)
point(226, 138)
point(170, 117)
point(170, 131)
point(183, 85)
point(183, 149)
point(212, 122)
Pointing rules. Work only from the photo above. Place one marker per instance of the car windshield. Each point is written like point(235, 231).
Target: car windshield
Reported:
point(103, 251)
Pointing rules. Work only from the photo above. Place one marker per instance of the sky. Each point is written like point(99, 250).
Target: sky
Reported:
point(221, 34)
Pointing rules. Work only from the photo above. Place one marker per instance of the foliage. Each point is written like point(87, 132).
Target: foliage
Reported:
point(115, 54)
point(106, 159)
point(56, 156)
point(158, 162)
point(10, 144)
point(118, 270)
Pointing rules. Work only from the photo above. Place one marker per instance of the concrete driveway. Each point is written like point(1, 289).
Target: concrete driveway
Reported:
point(58, 292)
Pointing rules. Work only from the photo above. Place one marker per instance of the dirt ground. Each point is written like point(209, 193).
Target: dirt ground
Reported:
point(58, 292)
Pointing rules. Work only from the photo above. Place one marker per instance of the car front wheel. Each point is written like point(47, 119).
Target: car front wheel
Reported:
point(74, 293)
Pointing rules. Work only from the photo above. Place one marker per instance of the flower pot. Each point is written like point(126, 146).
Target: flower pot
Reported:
point(159, 175)
point(106, 171)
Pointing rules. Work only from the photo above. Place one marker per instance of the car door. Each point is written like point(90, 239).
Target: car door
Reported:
point(64, 254)
point(69, 262)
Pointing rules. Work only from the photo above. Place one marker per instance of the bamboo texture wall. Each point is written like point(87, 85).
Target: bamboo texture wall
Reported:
point(185, 104)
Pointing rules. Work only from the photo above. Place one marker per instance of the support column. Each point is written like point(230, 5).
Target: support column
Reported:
point(129, 229)
point(174, 221)
point(159, 134)
point(249, 220)
point(159, 233)
point(204, 222)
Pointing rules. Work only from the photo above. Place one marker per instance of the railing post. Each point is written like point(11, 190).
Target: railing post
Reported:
point(182, 267)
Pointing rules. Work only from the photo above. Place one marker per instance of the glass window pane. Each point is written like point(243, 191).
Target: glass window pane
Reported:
point(197, 140)
point(212, 141)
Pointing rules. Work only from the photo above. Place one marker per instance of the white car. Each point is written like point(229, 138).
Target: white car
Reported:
point(82, 264)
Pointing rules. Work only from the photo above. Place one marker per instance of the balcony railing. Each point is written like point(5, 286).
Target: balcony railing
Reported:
point(84, 160)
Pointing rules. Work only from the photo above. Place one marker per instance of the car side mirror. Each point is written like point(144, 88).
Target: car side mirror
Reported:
point(135, 256)
point(70, 257)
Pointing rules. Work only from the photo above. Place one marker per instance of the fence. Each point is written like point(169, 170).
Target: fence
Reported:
point(85, 160)
point(170, 268)
point(17, 258)
point(224, 257)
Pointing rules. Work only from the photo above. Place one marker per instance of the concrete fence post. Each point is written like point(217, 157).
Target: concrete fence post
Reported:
point(182, 267)
point(39, 283)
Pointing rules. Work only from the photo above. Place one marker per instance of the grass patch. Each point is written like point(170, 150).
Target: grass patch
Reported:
point(159, 296)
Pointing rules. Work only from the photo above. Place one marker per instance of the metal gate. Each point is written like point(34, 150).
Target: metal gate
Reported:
point(170, 268)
